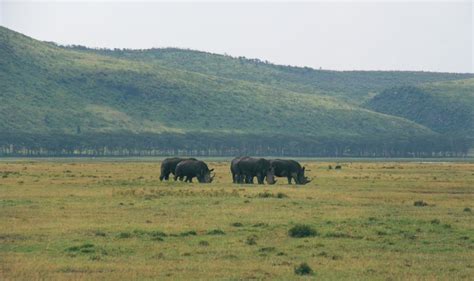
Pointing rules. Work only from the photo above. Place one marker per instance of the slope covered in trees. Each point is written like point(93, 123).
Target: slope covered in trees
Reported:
point(352, 86)
point(69, 101)
point(446, 108)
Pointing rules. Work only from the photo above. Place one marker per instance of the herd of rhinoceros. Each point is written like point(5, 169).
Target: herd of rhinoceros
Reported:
point(243, 169)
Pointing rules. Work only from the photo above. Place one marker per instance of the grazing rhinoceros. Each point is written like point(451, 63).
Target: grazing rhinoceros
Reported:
point(168, 166)
point(193, 168)
point(289, 169)
point(248, 168)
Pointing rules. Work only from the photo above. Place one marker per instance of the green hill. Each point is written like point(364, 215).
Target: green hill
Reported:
point(352, 86)
point(447, 107)
point(58, 100)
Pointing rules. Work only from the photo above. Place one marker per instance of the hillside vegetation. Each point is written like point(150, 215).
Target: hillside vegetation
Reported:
point(69, 100)
point(353, 86)
point(446, 108)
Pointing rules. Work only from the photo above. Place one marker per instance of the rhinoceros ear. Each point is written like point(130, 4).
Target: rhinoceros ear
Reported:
point(304, 168)
point(211, 170)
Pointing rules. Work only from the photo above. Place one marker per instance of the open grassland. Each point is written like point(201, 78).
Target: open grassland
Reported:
point(117, 221)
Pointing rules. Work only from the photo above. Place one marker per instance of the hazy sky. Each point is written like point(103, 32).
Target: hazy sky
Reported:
point(430, 36)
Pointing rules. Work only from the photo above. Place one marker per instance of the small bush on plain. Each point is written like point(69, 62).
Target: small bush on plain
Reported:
point(302, 230)
point(303, 269)
point(216, 232)
point(420, 203)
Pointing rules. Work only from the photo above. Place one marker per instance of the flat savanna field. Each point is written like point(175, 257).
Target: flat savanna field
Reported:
point(114, 220)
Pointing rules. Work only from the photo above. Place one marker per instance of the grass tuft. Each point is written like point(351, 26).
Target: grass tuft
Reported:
point(251, 240)
point(188, 233)
point(420, 203)
point(203, 243)
point(216, 232)
point(124, 235)
point(302, 230)
point(303, 269)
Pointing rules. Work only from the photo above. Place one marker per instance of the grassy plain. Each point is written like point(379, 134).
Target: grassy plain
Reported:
point(116, 221)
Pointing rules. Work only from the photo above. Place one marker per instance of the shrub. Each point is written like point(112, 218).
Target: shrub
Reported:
point(303, 269)
point(87, 250)
point(216, 232)
point(158, 234)
point(420, 203)
point(237, 224)
point(84, 248)
point(123, 235)
point(73, 249)
point(302, 230)
point(467, 209)
point(281, 195)
point(188, 233)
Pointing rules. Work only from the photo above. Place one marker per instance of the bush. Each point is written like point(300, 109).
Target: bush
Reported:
point(467, 209)
point(303, 269)
point(281, 195)
point(124, 235)
point(420, 203)
point(188, 233)
point(216, 232)
point(302, 230)
point(158, 234)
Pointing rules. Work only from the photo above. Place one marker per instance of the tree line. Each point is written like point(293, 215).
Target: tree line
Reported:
point(199, 144)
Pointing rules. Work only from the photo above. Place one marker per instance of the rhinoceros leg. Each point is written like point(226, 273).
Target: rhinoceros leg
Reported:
point(295, 177)
point(248, 179)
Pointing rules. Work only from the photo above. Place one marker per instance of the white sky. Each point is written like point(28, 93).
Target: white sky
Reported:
point(427, 35)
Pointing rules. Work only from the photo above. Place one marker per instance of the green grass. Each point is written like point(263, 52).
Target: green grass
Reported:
point(115, 220)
